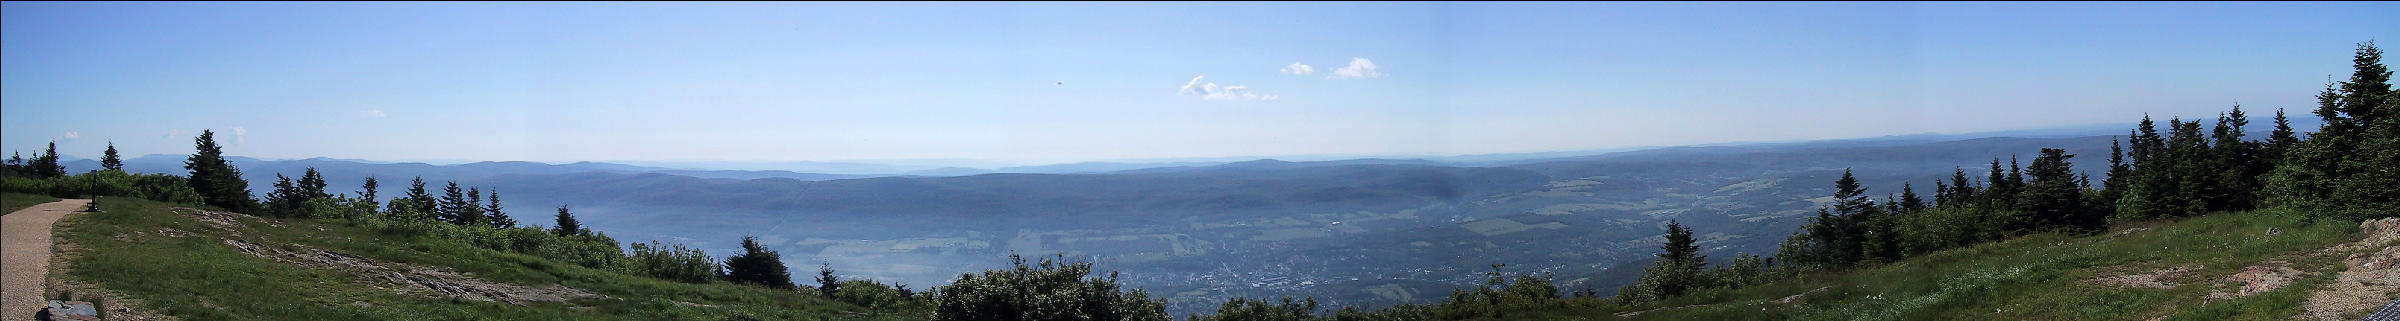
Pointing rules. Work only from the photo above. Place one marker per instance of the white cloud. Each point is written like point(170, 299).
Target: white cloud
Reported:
point(241, 135)
point(1358, 68)
point(1299, 69)
point(70, 136)
point(372, 113)
point(1211, 91)
point(172, 133)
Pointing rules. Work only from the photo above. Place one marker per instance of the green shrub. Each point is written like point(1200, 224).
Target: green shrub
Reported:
point(1051, 290)
point(671, 262)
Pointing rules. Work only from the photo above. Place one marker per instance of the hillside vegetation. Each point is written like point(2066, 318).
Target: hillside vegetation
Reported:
point(2262, 265)
point(208, 265)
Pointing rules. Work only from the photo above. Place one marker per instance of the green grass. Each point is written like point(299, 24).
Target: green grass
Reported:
point(198, 277)
point(2043, 277)
point(11, 202)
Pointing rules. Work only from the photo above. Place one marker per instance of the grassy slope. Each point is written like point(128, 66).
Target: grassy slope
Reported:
point(11, 202)
point(2044, 277)
point(198, 277)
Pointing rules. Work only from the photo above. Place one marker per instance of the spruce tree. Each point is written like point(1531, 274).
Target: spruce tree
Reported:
point(2237, 162)
point(1680, 266)
point(312, 185)
point(366, 192)
point(1909, 201)
point(219, 183)
point(109, 160)
point(453, 206)
point(496, 217)
point(2054, 198)
point(284, 200)
point(46, 165)
point(758, 266)
point(2189, 178)
point(474, 208)
point(2279, 140)
point(827, 284)
point(420, 200)
point(567, 225)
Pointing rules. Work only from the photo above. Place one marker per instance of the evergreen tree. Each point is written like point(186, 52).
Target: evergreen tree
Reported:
point(420, 200)
point(219, 183)
point(1962, 190)
point(2053, 198)
point(453, 206)
point(472, 211)
point(366, 192)
point(109, 160)
point(2118, 170)
point(1909, 201)
point(312, 185)
point(1679, 265)
point(2238, 164)
point(284, 200)
point(827, 284)
point(1997, 187)
point(2366, 174)
point(2279, 140)
point(758, 266)
point(46, 165)
point(492, 210)
point(15, 164)
point(2189, 179)
point(567, 225)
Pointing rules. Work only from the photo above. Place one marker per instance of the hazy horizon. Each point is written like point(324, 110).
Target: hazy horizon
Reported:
point(1055, 83)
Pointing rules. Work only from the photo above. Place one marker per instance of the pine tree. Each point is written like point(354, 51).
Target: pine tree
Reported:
point(1909, 201)
point(420, 200)
point(366, 192)
point(827, 284)
point(46, 165)
point(1997, 188)
point(1679, 265)
point(219, 183)
point(284, 200)
point(758, 266)
point(109, 160)
point(312, 185)
point(472, 212)
point(1962, 190)
point(2189, 178)
point(2054, 198)
point(453, 206)
point(567, 225)
point(2369, 168)
point(2280, 140)
point(492, 210)
point(2118, 170)
point(2237, 163)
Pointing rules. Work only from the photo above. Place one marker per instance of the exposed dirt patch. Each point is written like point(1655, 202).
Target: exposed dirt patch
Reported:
point(2259, 278)
point(1795, 298)
point(415, 278)
point(2159, 279)
point(220, 219)
point(2373, 277)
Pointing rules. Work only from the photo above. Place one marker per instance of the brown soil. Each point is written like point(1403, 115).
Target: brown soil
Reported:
point(2155, 279)
point(2259, 278)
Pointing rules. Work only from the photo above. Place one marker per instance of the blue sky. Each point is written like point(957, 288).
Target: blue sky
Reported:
point(1062, 82)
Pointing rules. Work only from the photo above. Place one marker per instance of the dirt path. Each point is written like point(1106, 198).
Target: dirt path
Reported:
point(25, 256)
